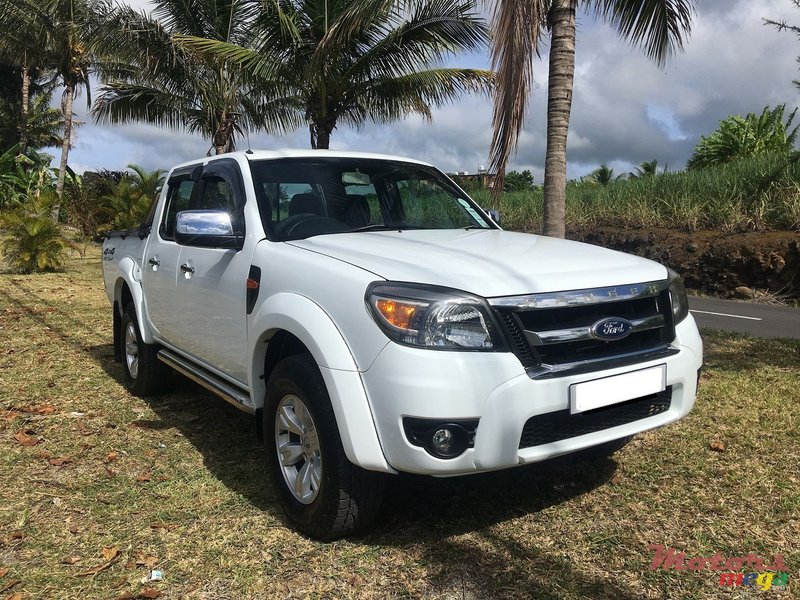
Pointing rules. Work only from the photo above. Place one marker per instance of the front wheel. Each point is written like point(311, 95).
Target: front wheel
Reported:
point(319, 489)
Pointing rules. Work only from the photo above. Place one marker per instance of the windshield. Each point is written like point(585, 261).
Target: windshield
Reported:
point(303, 197)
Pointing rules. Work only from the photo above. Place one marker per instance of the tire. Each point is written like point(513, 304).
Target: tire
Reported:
point(145, 375)
point(321, 492)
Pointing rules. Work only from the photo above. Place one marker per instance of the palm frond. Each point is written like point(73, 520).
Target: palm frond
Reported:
point(659, 27)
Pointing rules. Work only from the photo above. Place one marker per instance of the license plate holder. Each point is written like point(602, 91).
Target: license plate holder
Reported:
point(614, 389)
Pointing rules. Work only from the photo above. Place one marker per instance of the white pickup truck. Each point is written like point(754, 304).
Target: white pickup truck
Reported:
point(375, 320)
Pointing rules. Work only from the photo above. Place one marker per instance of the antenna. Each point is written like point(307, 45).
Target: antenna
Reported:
point(247, 134)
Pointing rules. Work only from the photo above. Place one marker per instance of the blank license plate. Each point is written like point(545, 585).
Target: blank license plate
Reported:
point(617, 388)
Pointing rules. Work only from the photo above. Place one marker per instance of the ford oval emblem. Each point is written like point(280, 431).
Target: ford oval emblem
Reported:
point(611, 328)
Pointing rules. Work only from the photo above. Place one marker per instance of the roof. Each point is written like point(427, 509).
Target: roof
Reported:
point(299, 153)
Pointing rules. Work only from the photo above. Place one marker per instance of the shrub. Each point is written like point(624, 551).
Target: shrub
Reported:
point(33, 243)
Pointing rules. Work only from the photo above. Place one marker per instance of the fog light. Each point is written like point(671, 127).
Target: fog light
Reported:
point(442, 441)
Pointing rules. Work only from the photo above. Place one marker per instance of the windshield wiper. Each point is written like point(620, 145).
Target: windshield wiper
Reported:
point(384, 228)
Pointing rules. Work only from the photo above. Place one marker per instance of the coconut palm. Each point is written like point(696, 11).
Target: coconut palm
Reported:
point(646, 169)
point(60, 32)
point(324, 63)
point(158, 81)
point(659, 27)
point(603, 175)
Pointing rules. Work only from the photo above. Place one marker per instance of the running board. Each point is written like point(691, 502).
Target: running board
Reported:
point(211, 382)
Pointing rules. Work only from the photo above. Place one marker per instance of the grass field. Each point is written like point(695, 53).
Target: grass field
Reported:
point(749, 194)
point(97, 487)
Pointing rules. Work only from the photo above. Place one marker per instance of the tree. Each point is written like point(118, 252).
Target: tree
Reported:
point(603, 175)
point(645, 169)
point(323, 63)
point(660, 27)
point(518, 182)
point(746, 137)
point(158, 81)
point(60, 31)
point(784, 26)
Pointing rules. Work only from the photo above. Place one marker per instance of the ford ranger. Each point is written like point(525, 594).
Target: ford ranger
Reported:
point(375, 320)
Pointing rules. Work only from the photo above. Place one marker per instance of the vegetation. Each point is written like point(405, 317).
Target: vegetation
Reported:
point(603, 175)
point(739, 196)
point(516, 181)
point(742, 137)
point(326, 63)
point(177, 484)
point(659, 27)
point(33, 242)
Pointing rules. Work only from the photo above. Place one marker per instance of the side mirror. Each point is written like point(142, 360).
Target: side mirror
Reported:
point(494, 214)
point(207, 229)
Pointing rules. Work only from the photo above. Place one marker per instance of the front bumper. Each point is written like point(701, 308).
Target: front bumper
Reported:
point(494, 389)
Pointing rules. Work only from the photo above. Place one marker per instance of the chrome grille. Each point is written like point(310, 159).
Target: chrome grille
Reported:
point(551, 333)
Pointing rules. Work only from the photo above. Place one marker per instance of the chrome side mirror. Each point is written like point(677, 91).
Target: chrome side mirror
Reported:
point(206, 228)
point(494, 214)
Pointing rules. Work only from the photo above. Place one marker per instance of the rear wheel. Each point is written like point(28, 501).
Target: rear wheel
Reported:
point(145, 375)
point(322, 493)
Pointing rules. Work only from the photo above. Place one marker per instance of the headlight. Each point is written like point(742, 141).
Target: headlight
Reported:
point(430, 317)
point(677, 293)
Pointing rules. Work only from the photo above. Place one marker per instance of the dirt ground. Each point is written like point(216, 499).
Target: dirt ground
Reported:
point(714, 262)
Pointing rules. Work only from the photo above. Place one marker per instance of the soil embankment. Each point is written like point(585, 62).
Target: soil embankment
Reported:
point(714, 262)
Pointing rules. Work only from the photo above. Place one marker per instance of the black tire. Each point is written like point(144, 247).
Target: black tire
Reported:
point(347, 498)
point(148, 376)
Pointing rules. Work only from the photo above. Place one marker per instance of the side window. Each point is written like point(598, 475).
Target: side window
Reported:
point(217, 195)
point(178, 197)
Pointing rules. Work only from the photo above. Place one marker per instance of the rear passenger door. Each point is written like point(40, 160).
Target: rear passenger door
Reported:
point(210, 301)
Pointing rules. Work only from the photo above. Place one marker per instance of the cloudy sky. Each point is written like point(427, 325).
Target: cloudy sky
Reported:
point(626, 110)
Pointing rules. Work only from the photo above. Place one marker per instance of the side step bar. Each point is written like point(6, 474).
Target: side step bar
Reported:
point(214, 384)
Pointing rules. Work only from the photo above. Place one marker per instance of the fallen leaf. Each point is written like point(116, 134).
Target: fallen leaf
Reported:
point(16, 596)
point(110, 553)
point(149, 593)
point(16, 535)
point(717, 446)
point(74, 529)
point(25, 439)
point(126, 596)
point(146, 560)
point(111, 456)
point(70, 560)
point(3, 572)
point(110, 473)
point(60, 461)
point(45, 409)
point(10, 585)
point(616, 480)
point(10, 415)
point(167, 526)
point(83, 428)
point(144, 477)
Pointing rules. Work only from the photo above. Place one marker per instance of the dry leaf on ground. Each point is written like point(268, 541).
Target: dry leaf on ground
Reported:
point(717, 446)
point(25, 439)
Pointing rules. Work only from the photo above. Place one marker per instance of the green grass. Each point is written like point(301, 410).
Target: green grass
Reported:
point(744, 195)
point(190, 465)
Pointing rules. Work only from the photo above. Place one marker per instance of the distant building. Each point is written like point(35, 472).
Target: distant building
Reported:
point(480, 180)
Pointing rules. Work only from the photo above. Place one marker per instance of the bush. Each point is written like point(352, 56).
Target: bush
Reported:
point(33, 243)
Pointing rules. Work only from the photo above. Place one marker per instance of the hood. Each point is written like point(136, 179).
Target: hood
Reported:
point(485, 262)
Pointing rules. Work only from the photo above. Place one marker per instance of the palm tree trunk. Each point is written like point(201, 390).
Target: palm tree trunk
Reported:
point(323, 138)
point(559, 106)
point(69, 99)
point(26, 100)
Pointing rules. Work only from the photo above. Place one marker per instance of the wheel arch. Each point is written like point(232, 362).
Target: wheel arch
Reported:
point(128, 289)
point(289, 324)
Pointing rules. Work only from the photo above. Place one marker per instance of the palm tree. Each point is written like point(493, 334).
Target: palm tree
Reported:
point(60, 32)
point(160, 82)
point(603, 175)
point(660, 27)
point(323, 63)
point(646, 169)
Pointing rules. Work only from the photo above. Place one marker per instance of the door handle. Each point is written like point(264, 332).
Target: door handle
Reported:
point(187, 269)
point(154, 262)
